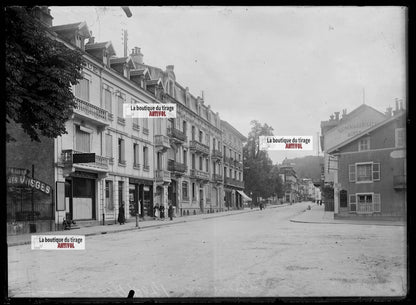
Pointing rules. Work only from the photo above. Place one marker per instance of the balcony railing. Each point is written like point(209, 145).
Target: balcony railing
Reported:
point(67, 160)
point(399, 182)
point(176, 167)
point(91, 112)
point(199, 147)
point(177, 135)
point(162, 141)
point(234, 182)
point(162, 176)
point(199, 174)
point(216, 154)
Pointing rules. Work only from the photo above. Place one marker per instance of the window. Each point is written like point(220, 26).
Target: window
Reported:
point(364, 172)
point(193, 161)
point(364, 144)
point(376, 203)
point(200, 163)
point(121, 158)
point(200, 136)
point(107, 100)
point(193, 191)
point(185, 158)
point(120, 103)
point(145, 125)
point(185, 191)
point(120, 193)
point(146, 157)
point(225, 172)
point(136, 155)
point(82, 139)
point(109, 195)
point(108, 145)
point(207, 164)
point(184, 127)
point(193, 133)
point(82, 89)
point(400, 137)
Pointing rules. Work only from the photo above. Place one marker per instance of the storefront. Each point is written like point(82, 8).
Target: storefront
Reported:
point(141, 191)
point(29, 203)
point(80, 195)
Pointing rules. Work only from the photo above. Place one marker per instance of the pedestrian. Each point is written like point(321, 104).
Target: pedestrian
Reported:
point(121, 216)
point(156, 212)
point(170, 211)
point(162, 212)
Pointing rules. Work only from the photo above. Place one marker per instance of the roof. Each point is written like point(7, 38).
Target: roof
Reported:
point(366, 131)
point(229, 126)
point(79, 26)
point(101, 45)
point(122, 60)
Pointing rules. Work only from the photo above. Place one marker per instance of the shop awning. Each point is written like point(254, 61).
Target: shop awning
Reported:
point(245, 197)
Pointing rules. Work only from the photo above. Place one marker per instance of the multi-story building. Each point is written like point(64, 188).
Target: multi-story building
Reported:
point(139, 162)
point(338, 129)
point(232, 143)
point(290, 181)
point(372, 170)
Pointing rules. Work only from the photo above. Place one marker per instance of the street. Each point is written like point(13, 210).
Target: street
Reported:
point(256, 254)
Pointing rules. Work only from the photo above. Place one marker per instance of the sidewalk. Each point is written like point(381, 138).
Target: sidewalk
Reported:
point(24, 239)
point(317, 214)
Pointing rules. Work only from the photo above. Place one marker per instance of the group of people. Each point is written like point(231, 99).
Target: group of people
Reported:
point(158, 210)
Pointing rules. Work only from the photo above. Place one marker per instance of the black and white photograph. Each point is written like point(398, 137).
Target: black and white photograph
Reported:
point(206, 152)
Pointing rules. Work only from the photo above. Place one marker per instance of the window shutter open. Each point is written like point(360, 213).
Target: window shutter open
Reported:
point(353, 203)
point(351, 170)
point(376, 171)
point(376, 203)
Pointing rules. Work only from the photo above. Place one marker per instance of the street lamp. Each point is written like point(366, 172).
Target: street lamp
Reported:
point(251, 202)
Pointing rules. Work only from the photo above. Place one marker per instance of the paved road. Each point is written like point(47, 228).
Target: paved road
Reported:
point(252, 254)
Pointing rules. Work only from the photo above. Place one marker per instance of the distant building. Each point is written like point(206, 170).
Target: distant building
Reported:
point(290, 182)
point(372, 169)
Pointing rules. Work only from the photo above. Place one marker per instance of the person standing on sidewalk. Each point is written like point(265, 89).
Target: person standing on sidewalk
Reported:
point(170, 211)
point(162, 212)
point(156, 212)
point(121, 216)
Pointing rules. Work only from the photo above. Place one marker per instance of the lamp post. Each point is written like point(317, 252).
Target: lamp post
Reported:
point(251, 202)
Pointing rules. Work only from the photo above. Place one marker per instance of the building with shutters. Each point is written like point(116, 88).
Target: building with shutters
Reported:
point(140, 162)
point(371, 171)
point(232, 142)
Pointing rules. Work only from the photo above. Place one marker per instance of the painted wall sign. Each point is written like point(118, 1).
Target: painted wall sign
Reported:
point(83, 158)
point(24, 181)
point(397, 154)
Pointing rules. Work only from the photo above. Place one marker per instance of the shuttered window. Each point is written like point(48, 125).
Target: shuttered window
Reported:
point(136, 154)
point(82, 89)
point(121, 152)
point(145, 156)
point(376, 203)
point(120, 102)
point(109, 145)
point(376, 171)
point(82, 140)
point(107, 101)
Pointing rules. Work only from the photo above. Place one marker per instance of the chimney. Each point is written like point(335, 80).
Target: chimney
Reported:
point(137, 56)
point(401, 105)
point(344, 113)
point(397, 106)
point(91, 40)
point(331, 117)
point(388, 112)
point(169, 68)
point(337, 115)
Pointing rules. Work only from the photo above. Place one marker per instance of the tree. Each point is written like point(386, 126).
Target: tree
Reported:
point(257, 165)
point(39, 74)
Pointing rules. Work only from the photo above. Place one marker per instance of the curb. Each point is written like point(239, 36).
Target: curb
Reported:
point(150, 226)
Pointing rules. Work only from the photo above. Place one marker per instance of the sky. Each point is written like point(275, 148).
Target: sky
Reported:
point(288, 66)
